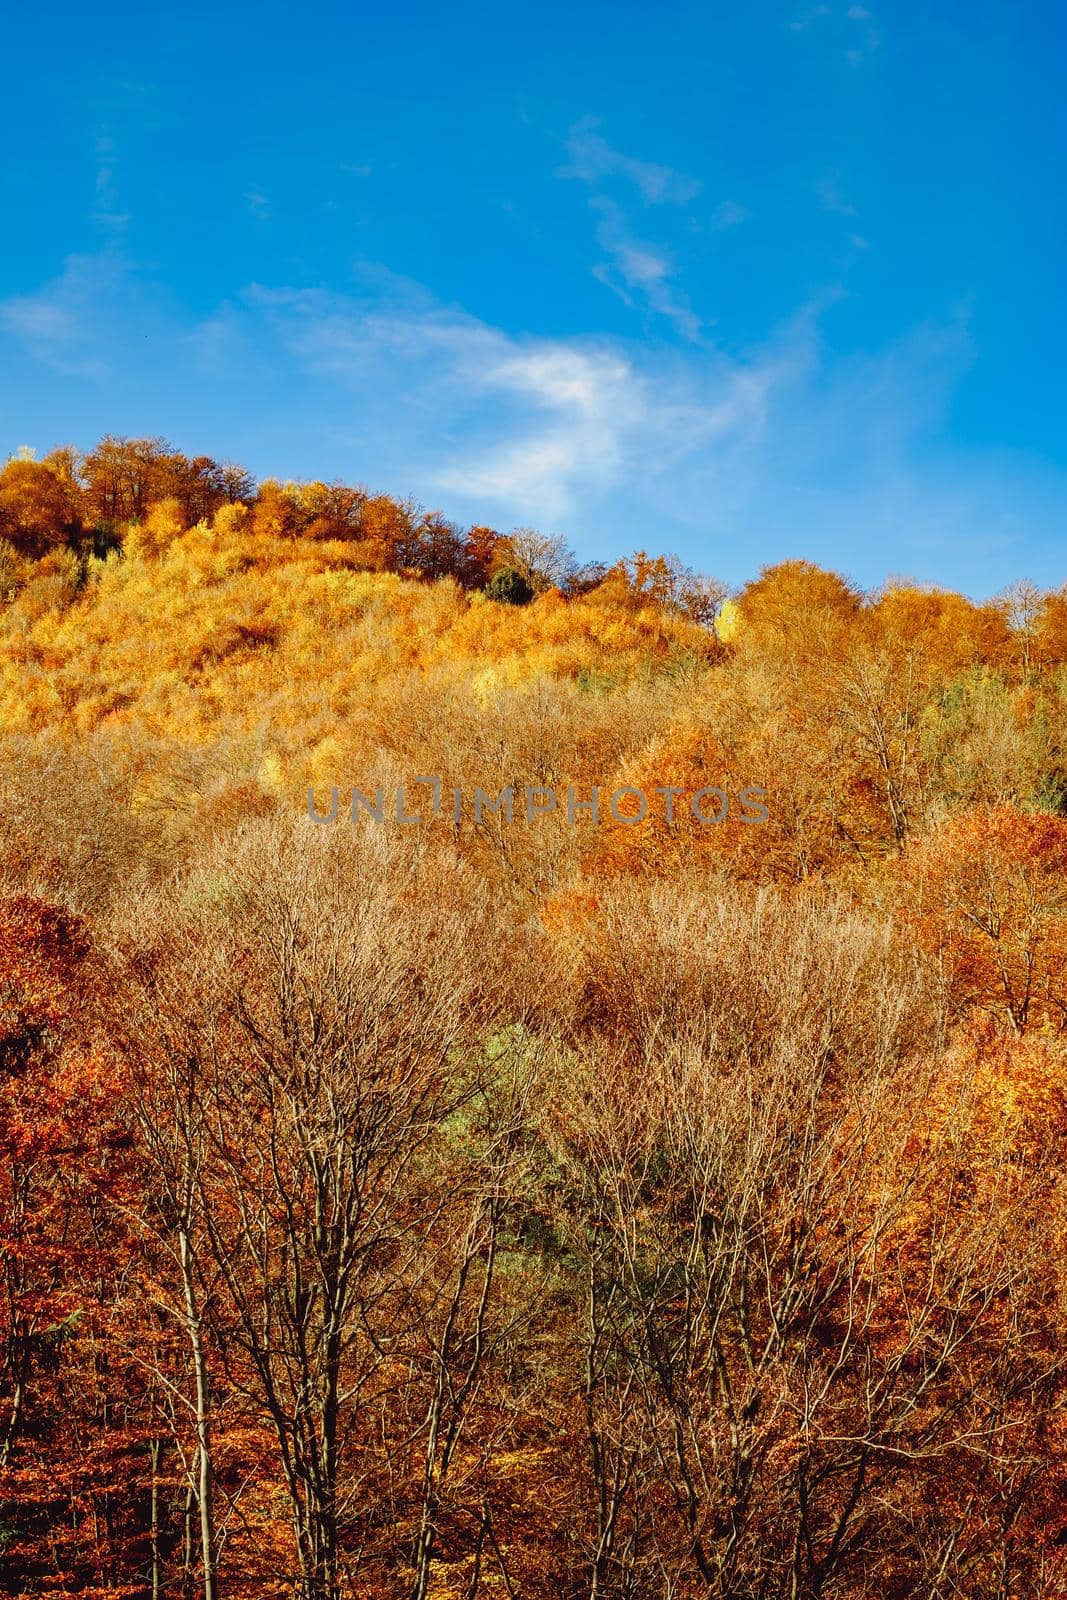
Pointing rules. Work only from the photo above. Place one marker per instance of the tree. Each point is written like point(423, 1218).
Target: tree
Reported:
point(314, 1051)
point(331, 511)
point(509, 587)
point(165, 1101)
point(201, 486)
point(814, 1339)
point(64, 463)
point(276, 513)
point(544, 560)
point(987, 893)
point(124, 476)
point(667, 582)
point(71, 1508)
point(1050, 629)
point(388, 529)
point(1022, 604)
point(435, 550)
point(479, 556)
point(38, 510)
point(946, 631)
point(795, 607)
point(163, 524)
point(121, 477)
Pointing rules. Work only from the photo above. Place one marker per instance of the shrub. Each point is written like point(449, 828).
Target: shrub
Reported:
point(510, 588)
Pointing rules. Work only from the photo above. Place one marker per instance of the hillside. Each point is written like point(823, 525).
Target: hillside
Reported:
point(611, 1205)
point(223, 664)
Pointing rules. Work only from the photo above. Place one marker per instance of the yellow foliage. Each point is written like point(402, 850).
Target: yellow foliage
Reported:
point(728, 621)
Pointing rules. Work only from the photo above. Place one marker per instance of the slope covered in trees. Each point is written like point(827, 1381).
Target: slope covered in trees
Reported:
point(619, 1207)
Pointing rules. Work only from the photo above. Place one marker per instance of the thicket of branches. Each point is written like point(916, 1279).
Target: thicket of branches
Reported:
point(638, 1210)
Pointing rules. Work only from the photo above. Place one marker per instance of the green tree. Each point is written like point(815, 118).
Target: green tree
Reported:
point(510, 588)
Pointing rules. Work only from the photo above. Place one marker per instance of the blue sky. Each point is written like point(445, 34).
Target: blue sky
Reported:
point(743, 282)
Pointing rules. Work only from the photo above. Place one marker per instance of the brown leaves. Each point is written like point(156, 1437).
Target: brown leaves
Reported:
point(987, 895)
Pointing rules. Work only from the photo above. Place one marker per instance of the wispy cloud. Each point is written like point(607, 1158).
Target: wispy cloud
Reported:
point(638, 271)
point(107, 208)
point(536, 426)
point(730, 214)
point(869, 38)
point(807, 18)
point(592, 160)
point(853, 29)
point(784, 448)
point(831, 197)
point(59, 323)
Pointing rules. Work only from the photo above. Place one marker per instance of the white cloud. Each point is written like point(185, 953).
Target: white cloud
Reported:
point(858, 54)
point(855, 54)
point(637, 271)
point(730, 214)
point(738, 458)
point(643, 269)
point(815, 14)
point(536, 428)
point(58, 323)
point(787, 449)
point(107, 206)
point(831, 198)
point(592, 160)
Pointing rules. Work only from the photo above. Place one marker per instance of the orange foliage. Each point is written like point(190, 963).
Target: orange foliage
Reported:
point(696, 816)
point(797, 603)
point(37, 510)
point(946, 630)
point(622, 1186)
point(988, 895)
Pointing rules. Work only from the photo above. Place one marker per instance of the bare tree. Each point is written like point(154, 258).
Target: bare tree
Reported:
point(166, 1096)
point(810, 1298)
point(545, 560)
point(460, 1319)
point(322, 1022)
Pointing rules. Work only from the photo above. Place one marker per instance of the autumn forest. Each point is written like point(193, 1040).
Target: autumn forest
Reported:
point(610, 1208)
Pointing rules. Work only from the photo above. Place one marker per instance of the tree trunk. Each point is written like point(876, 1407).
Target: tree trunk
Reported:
point(203, 1427)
